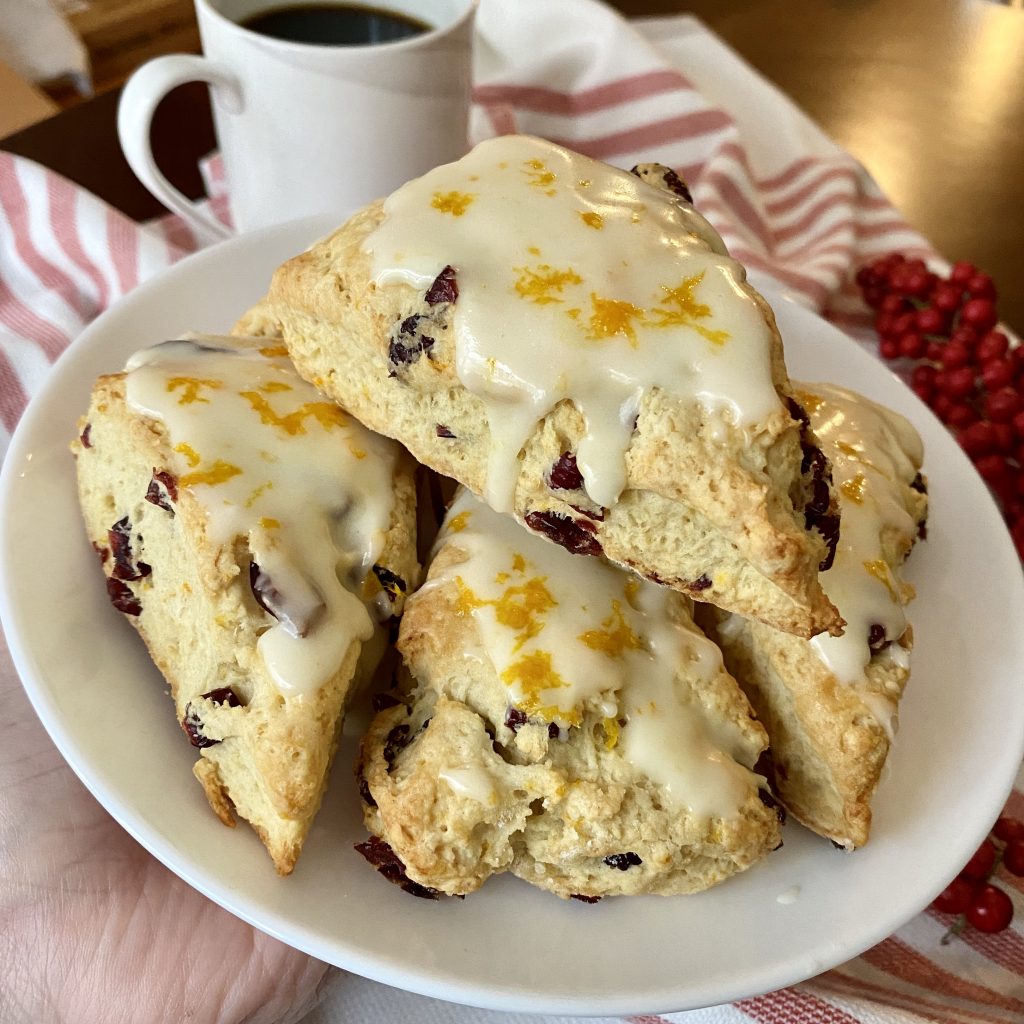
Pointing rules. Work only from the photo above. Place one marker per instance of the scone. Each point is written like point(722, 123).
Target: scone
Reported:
point(573, 343)
point(562, 720)
point(256, 536)
point(830, 704)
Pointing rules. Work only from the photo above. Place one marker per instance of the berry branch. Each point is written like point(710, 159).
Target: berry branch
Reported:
point(972, 896)
point(963, 367)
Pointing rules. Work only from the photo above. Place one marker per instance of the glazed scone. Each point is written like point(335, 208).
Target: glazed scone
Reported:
point(830, 704)
point(256, 536)
point(573, 343)
point(564, 721)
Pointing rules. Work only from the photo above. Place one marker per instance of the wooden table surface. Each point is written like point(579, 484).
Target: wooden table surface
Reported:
point(927, 94)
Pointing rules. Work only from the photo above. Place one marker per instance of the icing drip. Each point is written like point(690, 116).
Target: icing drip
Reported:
point(578, 282)
point(875, 454)
point(571, 636)
point(271, 461)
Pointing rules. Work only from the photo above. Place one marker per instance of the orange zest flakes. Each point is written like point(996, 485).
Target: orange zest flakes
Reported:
point(850, 450)
point(854, 488)
point(455, 203)
point(533, 250)
point(467, 602)
point(611, 317)
point(270, 351)
point(458, 523)
point(631, 589)
point(533, 674)
point(592, 220)
point(540, 177)
point(255, 496)
point(880, 570)
point(356, 453)
point(518, 563)
point(190, 388)
point(682, 309)
point(218, 473)
point(191, 455)
point(519, 607)
point(614, 637)
point(272, 386)
point(325, 413)
point(269, 523)
point(544, 284)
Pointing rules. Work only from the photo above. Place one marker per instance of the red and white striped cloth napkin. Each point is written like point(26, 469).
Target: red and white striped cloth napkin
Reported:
point(791, 205)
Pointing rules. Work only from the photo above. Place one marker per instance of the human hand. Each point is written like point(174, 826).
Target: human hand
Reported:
point(92, 928)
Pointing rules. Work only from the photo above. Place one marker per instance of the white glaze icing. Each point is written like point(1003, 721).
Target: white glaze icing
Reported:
point(274, 463)
point(574, 635)
point(875, 453)
point(577, 281)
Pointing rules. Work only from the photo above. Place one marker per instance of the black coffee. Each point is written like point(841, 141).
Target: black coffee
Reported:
point(334, 24)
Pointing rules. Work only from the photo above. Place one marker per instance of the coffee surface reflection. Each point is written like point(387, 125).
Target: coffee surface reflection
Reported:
point(335, 24)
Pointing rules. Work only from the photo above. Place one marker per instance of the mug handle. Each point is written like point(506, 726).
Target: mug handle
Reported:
point(139, 99)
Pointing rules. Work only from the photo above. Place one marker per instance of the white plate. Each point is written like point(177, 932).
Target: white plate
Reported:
point(510, 946)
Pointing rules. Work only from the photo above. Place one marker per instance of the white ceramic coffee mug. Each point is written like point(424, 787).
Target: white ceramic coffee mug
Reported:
point(306, 128)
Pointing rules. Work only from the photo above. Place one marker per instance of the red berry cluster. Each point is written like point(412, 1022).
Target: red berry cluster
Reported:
point(971, 895)
point(966, 370)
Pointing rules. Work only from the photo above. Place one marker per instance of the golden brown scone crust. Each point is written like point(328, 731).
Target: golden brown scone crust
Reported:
point(828, 748)
point(827, 742)
point(549, 809)
point(723, 523)
point(200, 622)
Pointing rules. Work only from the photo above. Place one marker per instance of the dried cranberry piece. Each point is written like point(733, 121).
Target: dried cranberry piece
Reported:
point(365, 794)
point(623, 861)
point(798, 412)
point(922, 529)
point(813, 462)
point(919, 485)
point(554, 733)
point(193, 728)
point(223, 695)
point(772, 804)
point(564, 475)
point(828, 527)
point(392, 583)
point(442, 431)
point(122, 598)
point(702, 582)
point(585, 899)
point(101, 552)
point(85, 437)
point(387, 862)
point(120, 537)
point(396, 741)
point(876, 637)
point(444, 289)
point(298, 615)
point(597, 516)
point(162, 490)
point(572, 534)
point(382, 701)
point(515, 719)
point(192, 723)
point(409, 342)
point(821, 499)
point(670, 180)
